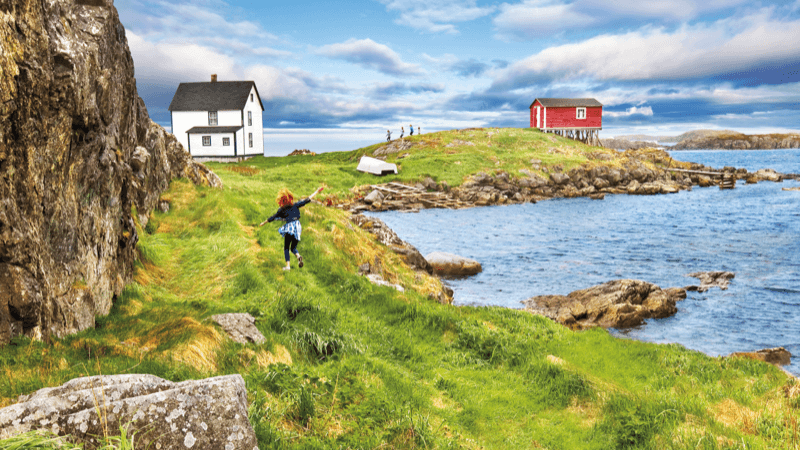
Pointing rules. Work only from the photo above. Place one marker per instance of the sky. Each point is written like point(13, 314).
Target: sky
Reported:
point(335, 75)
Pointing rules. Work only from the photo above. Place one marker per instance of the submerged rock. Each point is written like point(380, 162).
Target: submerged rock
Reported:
point(615, 304)
point(708, 280)
point(199, 414)
point(450, 265)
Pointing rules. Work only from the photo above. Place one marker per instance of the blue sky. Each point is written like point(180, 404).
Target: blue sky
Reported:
point(337, 75)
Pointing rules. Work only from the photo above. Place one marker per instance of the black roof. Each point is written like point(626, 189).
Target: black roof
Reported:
point(567, 102)
point(212, 130)
point(213, 96)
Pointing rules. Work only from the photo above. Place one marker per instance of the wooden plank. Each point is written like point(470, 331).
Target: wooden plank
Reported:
point(403, 186)
point(385, 189)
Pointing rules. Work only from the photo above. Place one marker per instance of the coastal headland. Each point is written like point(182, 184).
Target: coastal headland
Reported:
point(346, 362)
point(708, 140)
point(119, 255)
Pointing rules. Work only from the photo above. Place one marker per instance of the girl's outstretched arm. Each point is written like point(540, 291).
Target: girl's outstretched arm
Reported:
point(315, 193)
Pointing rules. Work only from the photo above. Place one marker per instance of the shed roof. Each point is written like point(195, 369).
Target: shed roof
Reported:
point(213, 96)
point(213, 130)
point(567, 102)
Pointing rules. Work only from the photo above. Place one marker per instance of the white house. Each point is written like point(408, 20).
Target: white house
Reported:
point(219, 119)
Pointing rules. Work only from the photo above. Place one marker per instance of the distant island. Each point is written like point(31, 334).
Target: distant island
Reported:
point(708, 139)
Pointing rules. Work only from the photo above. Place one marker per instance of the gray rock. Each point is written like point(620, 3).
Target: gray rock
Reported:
point(374, 278)
point(388, 237)
point(768, 175)
point(374, 196)
point(197, 414)
point(240, 327)
point(559, 178)
point(448, 264)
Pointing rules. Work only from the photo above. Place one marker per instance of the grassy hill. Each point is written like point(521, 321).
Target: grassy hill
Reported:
point(351, 365)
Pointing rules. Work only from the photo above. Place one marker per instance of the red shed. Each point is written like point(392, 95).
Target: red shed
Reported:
point(577, 118)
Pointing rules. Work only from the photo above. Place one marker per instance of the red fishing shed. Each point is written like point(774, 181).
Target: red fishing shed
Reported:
point(577, 118)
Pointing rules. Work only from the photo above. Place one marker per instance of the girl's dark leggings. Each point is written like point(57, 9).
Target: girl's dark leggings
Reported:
point(289, 243)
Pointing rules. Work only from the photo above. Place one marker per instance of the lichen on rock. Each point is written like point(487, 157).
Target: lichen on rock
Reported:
point(206, 414)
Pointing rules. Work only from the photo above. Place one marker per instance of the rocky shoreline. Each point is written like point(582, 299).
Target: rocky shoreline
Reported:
point(634, 172)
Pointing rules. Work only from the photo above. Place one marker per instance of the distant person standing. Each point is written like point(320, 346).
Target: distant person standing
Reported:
point(402, 132)
point(412, 129)
point(419, 130)
point(388, 135)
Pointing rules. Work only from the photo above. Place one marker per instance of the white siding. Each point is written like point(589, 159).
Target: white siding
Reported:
point(257, 128)
point(182, 121)
point(216, 148)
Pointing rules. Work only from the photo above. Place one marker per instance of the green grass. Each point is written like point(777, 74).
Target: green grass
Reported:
point(351, 365)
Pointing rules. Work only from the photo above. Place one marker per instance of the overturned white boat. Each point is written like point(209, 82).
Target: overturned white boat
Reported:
point(375, 166)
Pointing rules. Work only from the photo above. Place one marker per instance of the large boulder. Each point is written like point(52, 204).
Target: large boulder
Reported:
point(195, 414)
point(78, 154)
point(777, 356)
point(447, 264)
point(615, 304)
point(241, 327)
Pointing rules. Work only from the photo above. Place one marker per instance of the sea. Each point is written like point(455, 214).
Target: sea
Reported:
point(561, 245)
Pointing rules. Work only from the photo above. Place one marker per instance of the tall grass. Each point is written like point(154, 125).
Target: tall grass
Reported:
point(348, 364)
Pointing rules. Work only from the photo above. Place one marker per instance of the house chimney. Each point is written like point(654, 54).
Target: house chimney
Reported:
point(214, 78)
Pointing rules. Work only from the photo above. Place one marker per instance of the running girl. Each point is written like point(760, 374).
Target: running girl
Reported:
point(289, 212)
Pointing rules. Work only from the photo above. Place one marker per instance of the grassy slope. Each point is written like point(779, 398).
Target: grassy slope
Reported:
point(351, 365)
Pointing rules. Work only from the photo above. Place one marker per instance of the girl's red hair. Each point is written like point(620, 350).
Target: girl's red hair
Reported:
point(285, 197)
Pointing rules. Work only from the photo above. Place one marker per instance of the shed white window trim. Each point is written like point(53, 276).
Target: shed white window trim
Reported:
point(206, 141)
point(226, 141)
point(250, 138)
point(580, 113)
point(212, 118)
point(250, 118)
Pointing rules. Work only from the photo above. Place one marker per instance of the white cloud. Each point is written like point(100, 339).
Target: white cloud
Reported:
point(643, 111)
point(690, 52)
point(535, 18)
point(371, 55)
point(166, 64)
point(436, 16)
point(540, 18)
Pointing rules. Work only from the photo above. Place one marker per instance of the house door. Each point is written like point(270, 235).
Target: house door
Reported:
point(538, 125)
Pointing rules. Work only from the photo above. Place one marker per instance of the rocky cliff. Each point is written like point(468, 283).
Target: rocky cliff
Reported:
point(79, 156)
point(738, 141)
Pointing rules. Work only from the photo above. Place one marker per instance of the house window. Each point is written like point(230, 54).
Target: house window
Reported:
point(226, 142)
point(251, 97)
point(212, 118)
point(250, 138)
point(250, 118)
point(206, 141)
point(581, 114)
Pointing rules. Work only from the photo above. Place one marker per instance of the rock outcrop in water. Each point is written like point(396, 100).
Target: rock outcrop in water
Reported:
point(79, 156)
point(615, 304)
point(708, 280)
point(199, 414)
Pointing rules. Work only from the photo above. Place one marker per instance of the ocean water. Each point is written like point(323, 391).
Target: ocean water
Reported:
point(561, 245)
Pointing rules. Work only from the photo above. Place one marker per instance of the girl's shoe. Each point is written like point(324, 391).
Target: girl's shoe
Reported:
point(287, 268)
point(300, 258)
